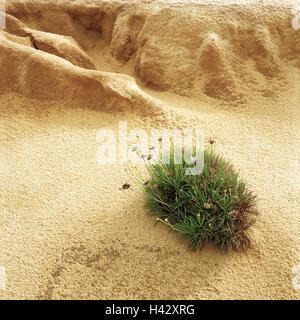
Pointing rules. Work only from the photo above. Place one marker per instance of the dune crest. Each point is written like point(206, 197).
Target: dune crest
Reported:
point(224, 52)
point(46, 66)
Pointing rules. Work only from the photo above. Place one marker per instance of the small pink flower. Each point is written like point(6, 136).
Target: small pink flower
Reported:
point(155, 187)
point(234, 213)
point(207, 205)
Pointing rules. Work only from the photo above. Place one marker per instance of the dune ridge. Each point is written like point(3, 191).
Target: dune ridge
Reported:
point(223, 52)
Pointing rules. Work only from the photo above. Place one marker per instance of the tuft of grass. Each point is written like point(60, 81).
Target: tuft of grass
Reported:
point(215, 207)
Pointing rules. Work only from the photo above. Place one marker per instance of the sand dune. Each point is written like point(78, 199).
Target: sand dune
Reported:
point(71, 68)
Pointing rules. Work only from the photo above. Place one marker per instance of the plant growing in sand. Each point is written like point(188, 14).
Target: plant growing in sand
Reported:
point(215, 207)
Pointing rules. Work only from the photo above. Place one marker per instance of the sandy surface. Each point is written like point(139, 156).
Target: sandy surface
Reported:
point(68, 232)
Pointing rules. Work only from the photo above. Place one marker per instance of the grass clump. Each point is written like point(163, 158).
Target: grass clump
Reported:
point(214, 207)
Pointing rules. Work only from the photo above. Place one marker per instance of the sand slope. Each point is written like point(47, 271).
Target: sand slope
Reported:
point(71, 68)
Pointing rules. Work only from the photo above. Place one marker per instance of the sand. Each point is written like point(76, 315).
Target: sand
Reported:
point(66, 230)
